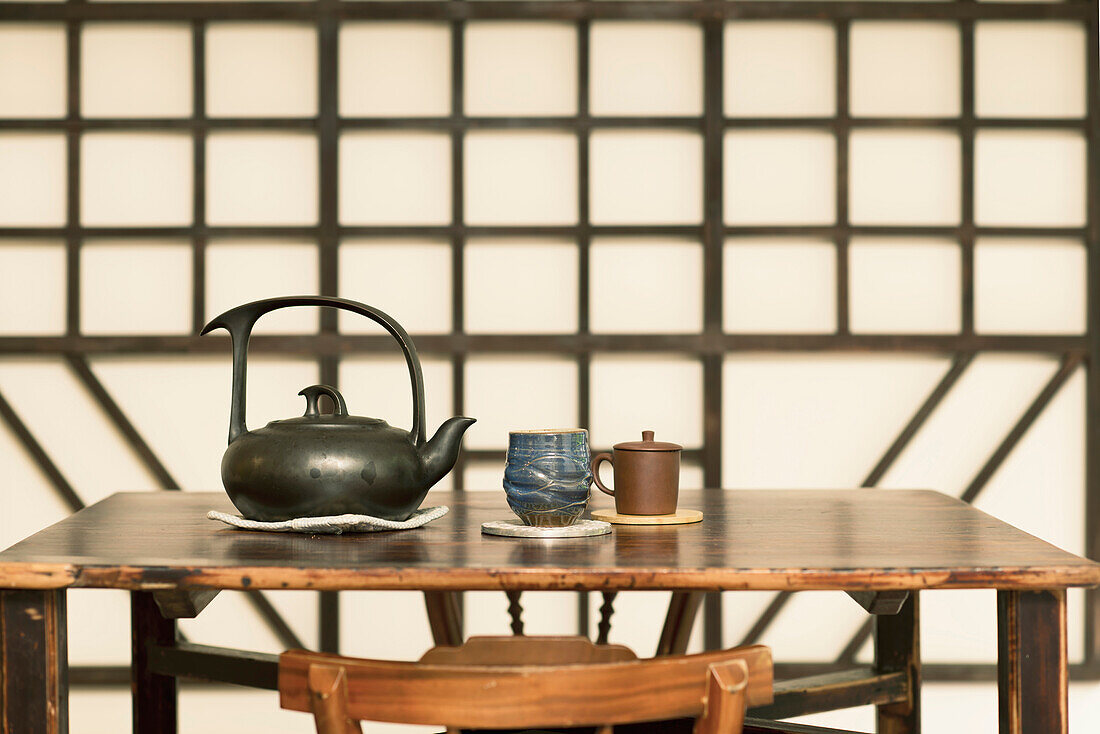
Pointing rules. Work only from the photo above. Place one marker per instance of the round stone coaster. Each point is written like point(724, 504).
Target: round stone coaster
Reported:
point(680, 517)
point(516, 529)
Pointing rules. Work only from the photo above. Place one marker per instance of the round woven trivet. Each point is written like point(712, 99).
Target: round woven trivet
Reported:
point(680, 517)
point(516, 529)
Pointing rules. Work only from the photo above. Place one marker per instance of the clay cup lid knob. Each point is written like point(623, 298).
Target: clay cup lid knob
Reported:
point(648, 444)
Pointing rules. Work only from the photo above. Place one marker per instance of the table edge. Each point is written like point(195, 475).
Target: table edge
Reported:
point(245, 578)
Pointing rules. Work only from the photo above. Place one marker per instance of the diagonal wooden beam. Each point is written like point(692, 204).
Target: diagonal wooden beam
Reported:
point(912, 427)
point(1041, 401)
point(981, 479)
point(41, 458)
point(766, 618)
point(848, 654)
point(683, 607)
point(83, 372)
point(939, 392)
point(274, 620)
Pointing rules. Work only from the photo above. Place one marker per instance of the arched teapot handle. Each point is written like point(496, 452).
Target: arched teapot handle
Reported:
point(240, 320)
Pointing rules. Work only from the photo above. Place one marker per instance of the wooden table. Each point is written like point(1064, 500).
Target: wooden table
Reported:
point(880, 546)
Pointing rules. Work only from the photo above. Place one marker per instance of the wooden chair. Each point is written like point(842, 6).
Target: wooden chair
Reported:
point(528, 682)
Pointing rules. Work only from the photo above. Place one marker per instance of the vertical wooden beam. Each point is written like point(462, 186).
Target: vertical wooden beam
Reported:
point(444, 617)
point(328, 142)
point(714, 243)
point(458, 262)
point(155, 696)
point(1032, 669)
point(328, 617)
point(842, 130)
point(73, 139)
point(1092, 384)
point(34, 662)
point(897, 649)
point(966, 185)
point(584, 257)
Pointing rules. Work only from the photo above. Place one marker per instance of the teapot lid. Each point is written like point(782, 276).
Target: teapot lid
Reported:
point(314, 417)
point(647, 444)
point(329, 419)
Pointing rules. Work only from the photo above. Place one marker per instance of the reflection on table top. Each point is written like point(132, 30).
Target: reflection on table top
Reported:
point(754, 539)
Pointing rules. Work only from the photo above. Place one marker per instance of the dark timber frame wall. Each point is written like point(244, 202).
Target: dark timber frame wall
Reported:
point(709, 346)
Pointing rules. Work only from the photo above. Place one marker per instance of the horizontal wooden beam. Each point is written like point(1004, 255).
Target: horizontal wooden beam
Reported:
point(216, 665)
point(45, 235)
point(119, 675)
point(314, 345)
point(830, 691)
point(559, 122)
point(560, 10)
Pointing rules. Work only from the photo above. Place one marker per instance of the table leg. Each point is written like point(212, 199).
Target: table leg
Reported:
point(155, 696)
point(897, 648)
point(1032, 669)
point(34, 662)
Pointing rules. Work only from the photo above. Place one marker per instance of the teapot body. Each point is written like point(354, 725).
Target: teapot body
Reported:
point(321, 464)
point(276, 473)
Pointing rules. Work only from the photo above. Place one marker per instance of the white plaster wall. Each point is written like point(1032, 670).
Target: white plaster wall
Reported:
point(838, 411)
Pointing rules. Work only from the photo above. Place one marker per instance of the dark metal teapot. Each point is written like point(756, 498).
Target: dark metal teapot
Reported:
point(330, 464)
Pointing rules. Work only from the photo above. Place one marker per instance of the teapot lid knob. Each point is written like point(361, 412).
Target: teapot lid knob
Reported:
point(313, 395)
point(647, 435)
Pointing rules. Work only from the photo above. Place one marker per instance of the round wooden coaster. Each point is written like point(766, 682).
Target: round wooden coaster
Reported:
point(516, 529)
point(680, 517)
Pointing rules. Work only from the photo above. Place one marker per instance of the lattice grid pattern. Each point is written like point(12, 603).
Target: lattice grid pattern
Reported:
point(721, 145)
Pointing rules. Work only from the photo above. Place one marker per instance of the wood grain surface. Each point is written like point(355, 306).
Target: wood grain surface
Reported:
point(521, 650)
point(532, 695)
point(760, 539)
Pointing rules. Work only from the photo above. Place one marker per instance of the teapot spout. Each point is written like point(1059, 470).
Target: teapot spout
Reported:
point(441, 452)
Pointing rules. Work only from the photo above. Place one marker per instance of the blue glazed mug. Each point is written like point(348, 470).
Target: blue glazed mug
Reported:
point(548, 477)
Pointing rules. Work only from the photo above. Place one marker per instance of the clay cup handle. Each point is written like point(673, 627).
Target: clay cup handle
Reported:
point(596, 472)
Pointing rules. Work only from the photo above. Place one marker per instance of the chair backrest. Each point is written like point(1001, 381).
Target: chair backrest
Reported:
point(522, 682)
point(543, 650)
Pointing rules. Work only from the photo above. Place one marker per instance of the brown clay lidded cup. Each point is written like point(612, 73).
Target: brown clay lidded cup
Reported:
point(647, 476)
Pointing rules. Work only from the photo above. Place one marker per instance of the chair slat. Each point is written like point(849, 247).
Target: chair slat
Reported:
point(542, 650)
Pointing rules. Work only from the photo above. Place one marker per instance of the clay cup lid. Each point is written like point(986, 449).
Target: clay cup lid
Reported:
point(647, 444)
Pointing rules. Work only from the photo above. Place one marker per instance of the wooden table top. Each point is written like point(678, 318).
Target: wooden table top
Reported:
point(759, 539)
